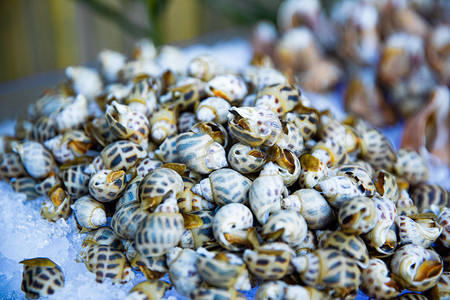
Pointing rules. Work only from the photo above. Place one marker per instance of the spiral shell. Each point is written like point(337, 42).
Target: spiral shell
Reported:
point(213, 109)
point(205, 67)
point(289, 225)
point(254, 126)
point(89, 213)
point(158, 233)
point(126, 219)
point(122, 155)
point(227, 86)
point(126, 123)
point(200, 153)
point(57, 205)
point(201, 235)
point(38, 161)
point(246, 159)
point(279, 290)
point(209, 293)
point(423, 230)
point(143, 95)
point(350, 244)
point(405, 205)
point(100, 236)
point(106, 185)
point(338, 190)
point(163, 124)
point(73, 114)
point(147, 165)
point(386, 185)
point(279, 98)
point(150, 289)
point(330, 269)
point(381, 237)
point(267, 264)
point(183, 272)
point(376, 281)
point(167, 151)
point(224, 186)
point(85, 81)
point(108, 262)
point(44, 187)
point(287, 163)
point(430, 197)
point(98, 130)
point(266, 192)
point(259, 77)
point(41, 277)
point(377, 150)
point(312, 206)
point(157, 185)
point(24, 185)
point(306, 120)
point(411, 166)
point(230, 225)
point(291, 139)
point(444, 221)
point(11, 166)
point(416, 268)
point(216, 131)
point(75, 180)
point(43, 129)
point(313, 170)
point(223, 270)
point(360, 178)
point(358, 215)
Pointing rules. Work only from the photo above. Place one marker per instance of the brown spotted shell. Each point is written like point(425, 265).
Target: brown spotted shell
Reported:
point(267, 264)
point(100, 236)
point(11, 166)
point(126, 219)
point(56, 205)
point(358, 215)
point(444, 221)
point(386, 185)
point(158, 233)
point(376, 281)
point(360, 178)
point(43, 129)
point(279, 98)
point(150, 289)
point(246, 159)
point(75, 180)
point(420, 229)
point(122, 155)
point(429, 197)
point(24, 185)
point(416, 268)
point(41, 277)
point(157, 185)
point(377, 150)
point(254, 126)
point(37, 160)
point(350, 244)
point(107, 262)
point(107, 185)
point(306, 120)
point(411, 166)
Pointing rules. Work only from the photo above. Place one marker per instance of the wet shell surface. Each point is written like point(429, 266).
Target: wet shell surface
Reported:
point(122, 155)
point(200, 153)
point(289, 225)
point(89, 213)
point(41, 277)
point(279, 98)
point(106, 185)
point(224, 186)
point(246, 159)
point(127, 218)
point(213, 109)
point(376, 281)
point(107, 262)
point(101, 236)
point(150, 289)
point(37, 160)
point(75, 180)
point(57, 205)
point(416, 268)
point(157, 185)
point(158, 233)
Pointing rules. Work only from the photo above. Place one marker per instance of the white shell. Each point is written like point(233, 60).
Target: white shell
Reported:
point(183, 271)
point(338, 189)
point(86, 81)
point(111, 62)
point(89, 213)
point(106, 185)
point(233, 219)
point(293, 225)
point(73, 114)
point(37, 160)
point(213, 109)
point(266, 193)
point(227, 86)
point(422, 231)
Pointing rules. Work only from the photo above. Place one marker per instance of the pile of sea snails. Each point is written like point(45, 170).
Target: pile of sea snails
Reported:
point(391, 53)
point(225, 181)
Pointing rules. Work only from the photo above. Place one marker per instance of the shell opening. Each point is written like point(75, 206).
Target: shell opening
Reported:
point(428, 269)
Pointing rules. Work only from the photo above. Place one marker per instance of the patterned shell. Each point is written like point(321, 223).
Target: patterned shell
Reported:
point(376, 281)
point(350, 244)
point(158, 233)
point(163, 124)
point(157, 184)
point(200, 236)
point(148, 290)
point(289, 225)
point(268, 264)
point(107, 185)
point(127, 218)
point(57, 205)
point(24, 185)
point(122, 155)
point(428, 197)
point(75, 180)
point(421, 229)
point(228, 87)
point(377, 150)
point(411, 166)
point(246, 159)
point(279, 98)
point(107, 262)
point(41, 277)
point(37, 160)
point(101, 236)
point(386, 185)
point(360, 178)
point(11, 166)
point(254, 126)
point(358, 215)
point(44, 129)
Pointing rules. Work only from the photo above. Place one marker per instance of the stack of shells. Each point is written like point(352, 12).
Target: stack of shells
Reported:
point(393, 57)
point(225, 181)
